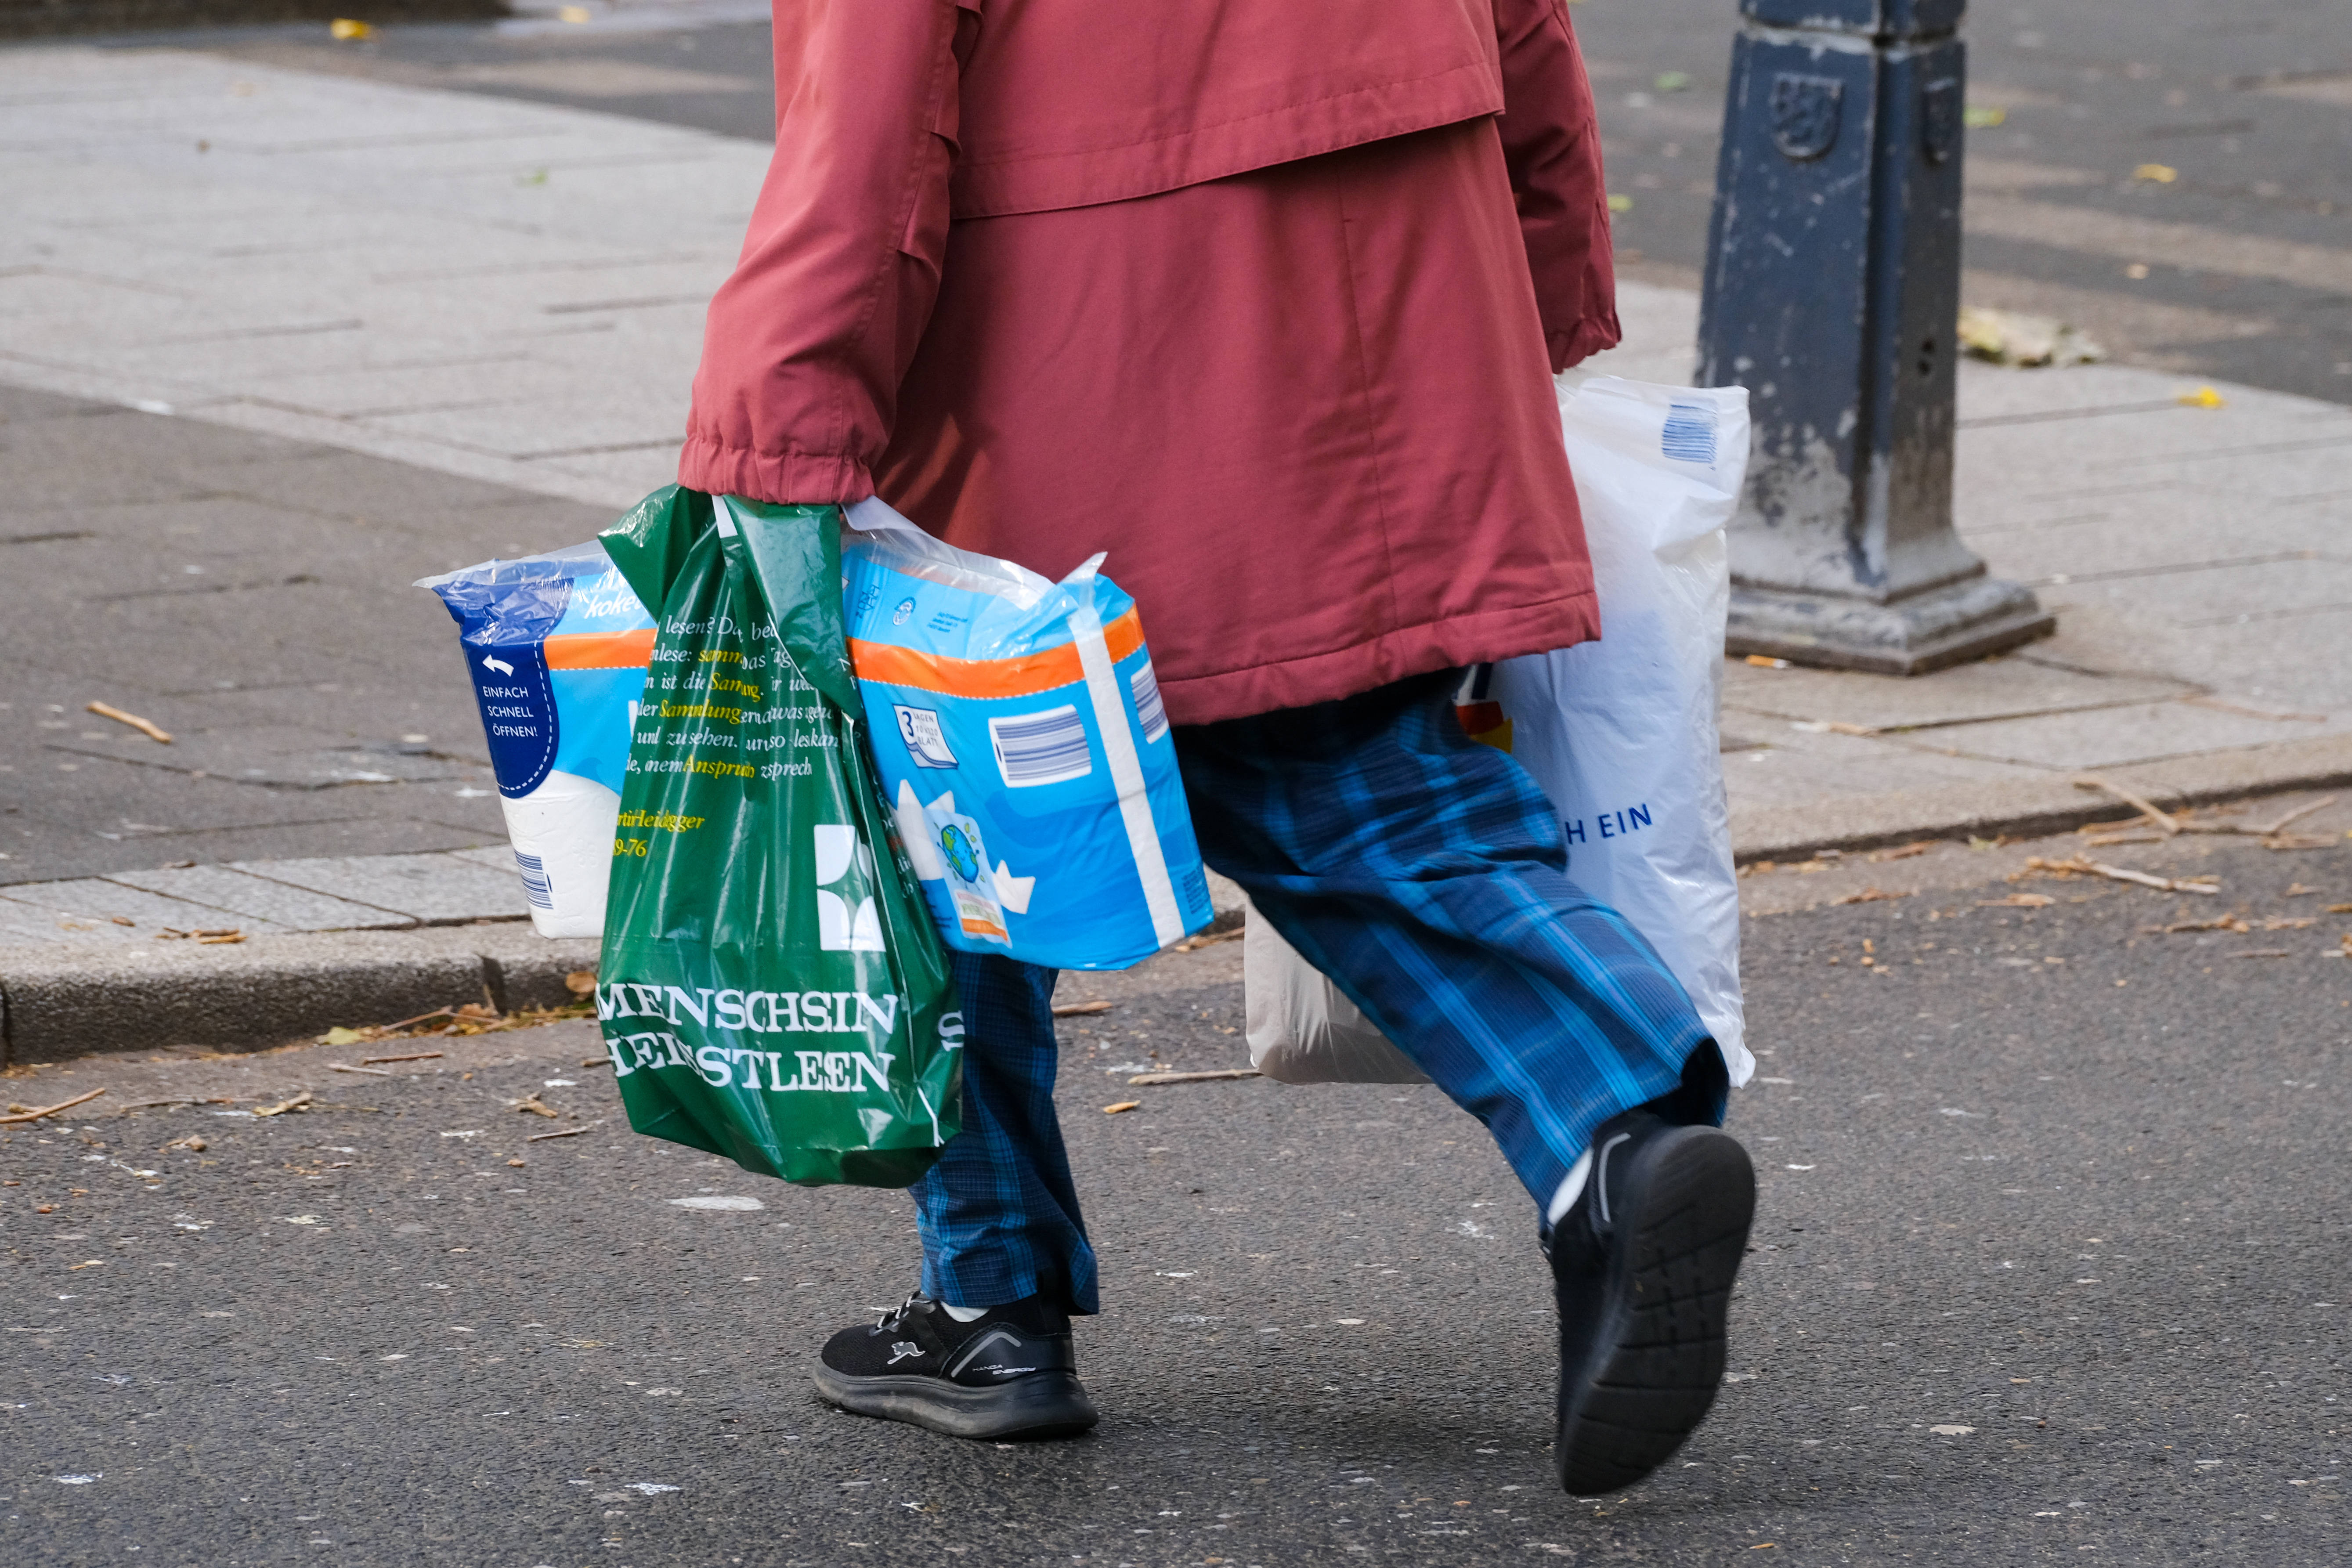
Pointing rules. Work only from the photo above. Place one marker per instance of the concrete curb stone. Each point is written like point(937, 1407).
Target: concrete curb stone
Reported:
point(2039, 806)
point(67, 1000)
point(114, 993)
point(111, 992)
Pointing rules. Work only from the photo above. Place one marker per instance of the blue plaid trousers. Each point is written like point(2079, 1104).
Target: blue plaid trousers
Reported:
point(1427, 875)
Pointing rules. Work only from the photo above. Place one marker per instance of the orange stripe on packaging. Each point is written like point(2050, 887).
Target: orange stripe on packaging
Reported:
point(601, 650)
point(892, 666)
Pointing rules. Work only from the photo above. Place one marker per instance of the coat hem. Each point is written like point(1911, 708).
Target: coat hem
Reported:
point(1447, 644)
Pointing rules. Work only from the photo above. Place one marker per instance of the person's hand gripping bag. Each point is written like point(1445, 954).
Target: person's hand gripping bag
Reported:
point(772, 988)
point(556, 646)
point(1021, 743)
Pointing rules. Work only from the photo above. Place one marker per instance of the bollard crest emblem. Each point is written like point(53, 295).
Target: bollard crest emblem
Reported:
point(1805, 114)
point(1940, 119)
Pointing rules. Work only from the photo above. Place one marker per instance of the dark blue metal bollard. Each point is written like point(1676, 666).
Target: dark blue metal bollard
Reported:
point(1832, 290)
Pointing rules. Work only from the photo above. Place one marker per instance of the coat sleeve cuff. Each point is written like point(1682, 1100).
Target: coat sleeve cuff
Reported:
point(1573, 344)
point(788, 477)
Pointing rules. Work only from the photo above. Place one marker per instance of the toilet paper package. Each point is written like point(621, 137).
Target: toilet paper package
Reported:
point(1024, 747)
point(557, 646)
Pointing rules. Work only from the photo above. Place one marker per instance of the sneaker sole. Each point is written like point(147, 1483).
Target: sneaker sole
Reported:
point(1652, 1370)
point(1042, 1405)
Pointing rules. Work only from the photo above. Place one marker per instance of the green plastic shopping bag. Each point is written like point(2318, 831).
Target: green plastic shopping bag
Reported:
point(772, 987)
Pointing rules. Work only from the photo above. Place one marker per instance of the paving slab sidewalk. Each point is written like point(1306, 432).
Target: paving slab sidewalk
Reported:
point(284, 342)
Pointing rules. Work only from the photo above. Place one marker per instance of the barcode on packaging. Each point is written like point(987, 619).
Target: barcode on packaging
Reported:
point(1148, 706)
point(1045, 748)
point(536, 887)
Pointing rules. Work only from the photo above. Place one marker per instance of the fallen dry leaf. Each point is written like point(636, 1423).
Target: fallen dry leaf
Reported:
point(283, 1106)
point(2018, 901)
point(1122, 1105)
point(581, 981)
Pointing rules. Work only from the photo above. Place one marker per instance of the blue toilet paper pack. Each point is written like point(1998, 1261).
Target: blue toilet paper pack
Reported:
point(557, 646)
point(1021, 738)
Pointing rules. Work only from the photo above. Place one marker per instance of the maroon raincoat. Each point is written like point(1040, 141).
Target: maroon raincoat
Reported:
point(1260, 297)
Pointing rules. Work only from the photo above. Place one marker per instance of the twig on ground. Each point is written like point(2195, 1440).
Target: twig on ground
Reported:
point(411, 1057)
point(51, 1110)
point(2139, 804)
point(1079, 1009)
point(283, 1106)
point(2079, 865)
point(146, 727)
point(404, 1023)
point(566, 1132)
point(372, 1072)
point(1145, 1080)
point(2296, 815)
point(1868, 895)
point(1208, 939)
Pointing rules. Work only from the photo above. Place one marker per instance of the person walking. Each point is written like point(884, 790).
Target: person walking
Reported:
point(1263, 299)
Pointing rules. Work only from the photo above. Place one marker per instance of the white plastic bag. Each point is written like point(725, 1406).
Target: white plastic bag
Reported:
point(1621, 732)
point(1301, 1027)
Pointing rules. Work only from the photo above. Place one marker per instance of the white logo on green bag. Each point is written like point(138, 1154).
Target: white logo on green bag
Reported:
point(824, 1072)
point(754, 1012)
point(841, 927)
point(757, 1013)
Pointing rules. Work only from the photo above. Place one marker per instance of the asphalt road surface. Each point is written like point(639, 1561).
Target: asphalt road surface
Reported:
point(2238, 266)
point(2050, 1265)
point(249, 594)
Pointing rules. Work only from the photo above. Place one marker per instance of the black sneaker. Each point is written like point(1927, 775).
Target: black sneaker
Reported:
point(1643, 1266)
point(1009, 1372)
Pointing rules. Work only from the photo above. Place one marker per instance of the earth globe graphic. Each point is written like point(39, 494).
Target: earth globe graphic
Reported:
point(961, 853)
